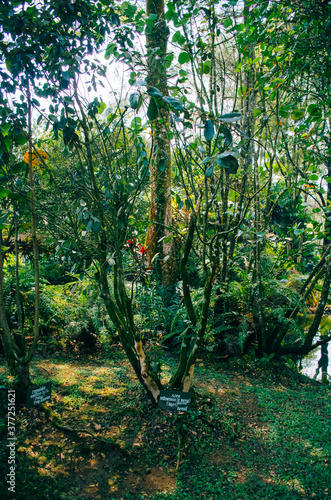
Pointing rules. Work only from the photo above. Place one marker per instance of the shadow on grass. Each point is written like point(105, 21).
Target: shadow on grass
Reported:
point(244, 437)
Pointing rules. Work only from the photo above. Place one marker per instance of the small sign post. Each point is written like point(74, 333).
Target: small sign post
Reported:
point(39, 394)
point(174, 401)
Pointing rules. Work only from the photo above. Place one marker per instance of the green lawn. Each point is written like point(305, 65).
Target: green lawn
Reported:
point(251, 433)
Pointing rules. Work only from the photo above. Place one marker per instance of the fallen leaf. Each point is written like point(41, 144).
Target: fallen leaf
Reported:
point(97, 427)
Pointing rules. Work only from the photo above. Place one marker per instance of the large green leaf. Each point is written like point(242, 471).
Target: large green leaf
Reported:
point(209, 130)
point(154, 92)
point(20, 139)
point(174, 103)
point(230, 117)
point(229, 162)
point(134, 100)
point(152, 110)
point(101, 107)
point(209, 171)
point(162, 165)
point(4, 192)
point(183, 58)
point(227, 136)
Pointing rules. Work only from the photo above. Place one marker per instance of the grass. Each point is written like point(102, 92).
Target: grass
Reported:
point(252, 432)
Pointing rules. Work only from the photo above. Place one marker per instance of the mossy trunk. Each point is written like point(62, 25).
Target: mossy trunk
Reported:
point(23, 382)
point(160, 208)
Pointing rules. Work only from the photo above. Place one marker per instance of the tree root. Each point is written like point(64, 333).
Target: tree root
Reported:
point(56, 420)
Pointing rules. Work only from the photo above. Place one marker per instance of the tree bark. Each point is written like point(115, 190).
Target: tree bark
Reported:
point(160, 209)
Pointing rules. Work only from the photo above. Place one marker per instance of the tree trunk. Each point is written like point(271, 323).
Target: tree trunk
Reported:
point(23, 382)
point(160, 210)
point(327, 227)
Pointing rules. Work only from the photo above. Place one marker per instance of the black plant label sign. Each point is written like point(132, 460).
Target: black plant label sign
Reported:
point(174, 400)
point(39, 394)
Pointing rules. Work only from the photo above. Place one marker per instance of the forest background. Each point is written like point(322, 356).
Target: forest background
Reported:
point(191, 212)
point(171, 232)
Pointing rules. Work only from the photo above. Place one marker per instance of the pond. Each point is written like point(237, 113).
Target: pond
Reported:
point(310, 364)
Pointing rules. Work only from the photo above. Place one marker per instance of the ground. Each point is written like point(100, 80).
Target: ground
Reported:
point(252, 432)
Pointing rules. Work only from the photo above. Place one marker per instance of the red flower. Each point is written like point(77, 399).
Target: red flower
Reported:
point(131, 243)
point(142, 250)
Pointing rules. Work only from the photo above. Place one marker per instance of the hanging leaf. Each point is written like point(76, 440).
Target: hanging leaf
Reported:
point(162, 165)
point(230, 117)
point(115, 20)
point(89, 225)
point(209, 171)
point(229, 162)
point(154, 92)
point(227, 136)
point(166, 155)
point(209, 130)
point(152, 110)
point(174, 103)
point(134, 100)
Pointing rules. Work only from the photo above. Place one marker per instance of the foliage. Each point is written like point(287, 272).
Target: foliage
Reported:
point(238, 150)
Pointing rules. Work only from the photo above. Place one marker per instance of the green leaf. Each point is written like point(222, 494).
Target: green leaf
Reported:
point(229, 162)
point(256, 112)
point(314, 110)
point(209, 130)
point(20, 139)
point(206, 67)
point(136, 122)
point(227, 22)
point(174, 103)
point(313, 177)
point(176, 37)
point(183, 58)
point(162, 165)
point(209, 171)
point(283, 112)
point(110, 50)
point(154, 92)
point(227, 136)
point(297, 114)
point(230, 117)
point(101, 107)
point(4, 192)
point(134, 100)
point(152, 111)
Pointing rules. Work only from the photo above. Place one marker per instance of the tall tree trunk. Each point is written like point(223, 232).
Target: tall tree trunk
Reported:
point(160, 210)
point(327, 238)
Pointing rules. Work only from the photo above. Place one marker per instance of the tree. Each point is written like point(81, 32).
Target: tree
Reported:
point(238, 145)
point(36, 41)
point(160, 246)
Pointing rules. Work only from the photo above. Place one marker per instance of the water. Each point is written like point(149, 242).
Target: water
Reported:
point(309, 364)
